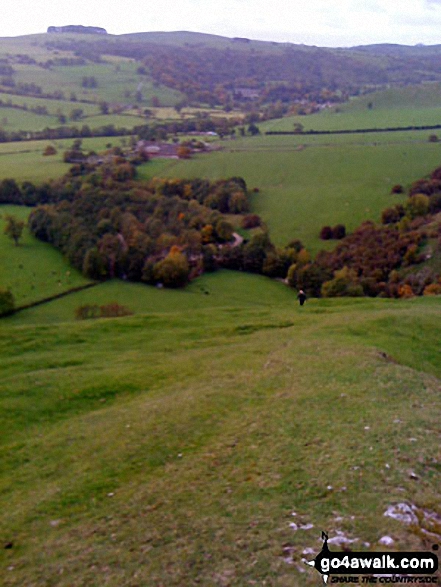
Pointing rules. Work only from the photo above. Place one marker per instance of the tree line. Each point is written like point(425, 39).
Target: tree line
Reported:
point(168, 231)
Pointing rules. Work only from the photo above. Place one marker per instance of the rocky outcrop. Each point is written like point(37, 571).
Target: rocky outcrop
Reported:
point(74, 28)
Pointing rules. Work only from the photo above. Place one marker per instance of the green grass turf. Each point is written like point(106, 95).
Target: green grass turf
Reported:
point(33, 270)
point(172, 448)
point(213, 290)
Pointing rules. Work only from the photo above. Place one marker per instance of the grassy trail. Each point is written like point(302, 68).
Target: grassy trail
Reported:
point(172, 448)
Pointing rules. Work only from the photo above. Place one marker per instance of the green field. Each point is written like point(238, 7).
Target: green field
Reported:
point(33, 270)
point(174, 446)
point(53, 107)
point(396, 107)
point(305, 182)
point(223, 289)
point(117, 79)
point(24, 161)
point(113, 81)
point(324, 183)
point(13, 119)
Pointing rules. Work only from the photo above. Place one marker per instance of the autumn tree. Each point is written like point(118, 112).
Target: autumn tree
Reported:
point(14, 228)
point(344, 283)
point(184, 152)
point(173, 271)
point(417, 205)
point(49, 150)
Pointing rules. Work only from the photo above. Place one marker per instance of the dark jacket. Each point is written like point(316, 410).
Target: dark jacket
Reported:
point(301, 297)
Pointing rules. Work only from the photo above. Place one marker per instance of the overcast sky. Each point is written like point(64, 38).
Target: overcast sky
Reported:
point(327, 23)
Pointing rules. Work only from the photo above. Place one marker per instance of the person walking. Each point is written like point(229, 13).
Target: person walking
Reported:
point(301, 297)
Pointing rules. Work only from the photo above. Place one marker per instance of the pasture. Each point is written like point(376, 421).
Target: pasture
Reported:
point(179, 447)
point(24, 161)
point(306, 183)
point(116, 82)
point(33, 270)
point(395, 107)
point(53, 107)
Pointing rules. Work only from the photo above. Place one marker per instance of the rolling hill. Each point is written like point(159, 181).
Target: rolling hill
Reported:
point(210, 437)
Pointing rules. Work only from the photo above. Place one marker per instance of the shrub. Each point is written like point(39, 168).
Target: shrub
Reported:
point(339, 231)
point(223, 230)
point(295, 244)
point(14, 228)
point(417, 205)
point(397, 189)
point(433, 289)
point(435, 204)
point(251, 221)
point(238, 203)
point(326, 233)
point(112, 310)
point(344, 283)
point(405, 291)
point(209, 262)
point(87, 311)
point(274, 265)
point(10, 192)
point(94, 264)
point(309, 278)
point(49, 150)
point(392, 215)
point(7, 303)
point(255, 251)
point(303, 258)
point(184, 152)
point(291, 276)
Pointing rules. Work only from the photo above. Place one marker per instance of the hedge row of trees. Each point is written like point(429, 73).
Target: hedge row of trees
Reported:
point(156, 131)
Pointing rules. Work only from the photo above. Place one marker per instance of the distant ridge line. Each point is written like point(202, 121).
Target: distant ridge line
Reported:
point(77, 28)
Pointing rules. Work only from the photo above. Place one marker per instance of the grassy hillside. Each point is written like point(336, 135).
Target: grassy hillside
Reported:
point(395, 107)
point(116, 77)
point(211, 437)
point(33, 270)
point(175, 447)
point(323, 183)
point(216, 290)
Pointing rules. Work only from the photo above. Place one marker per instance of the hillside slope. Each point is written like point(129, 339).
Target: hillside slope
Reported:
point(177, 448)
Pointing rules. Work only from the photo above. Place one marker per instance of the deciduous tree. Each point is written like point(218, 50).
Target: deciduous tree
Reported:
point(14, 228)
